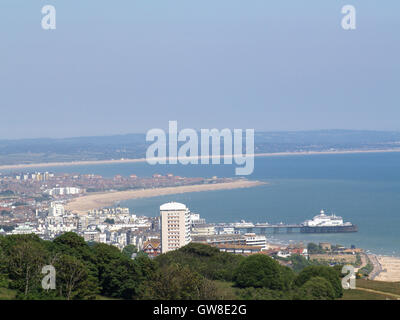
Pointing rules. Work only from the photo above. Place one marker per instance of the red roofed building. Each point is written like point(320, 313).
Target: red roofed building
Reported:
point(152, 247)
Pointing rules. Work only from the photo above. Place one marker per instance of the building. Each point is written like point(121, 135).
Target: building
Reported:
point(195, 219)
point(62, 191)
point(175, 226)
point(91, 236)
point(238, 249)
point(283, 254)
point(25, 228)
point(152, 247)
point(203, 230)
point(226, 230)
point(56, 209)
point(211, 240)
point(325, 246)
point(256, 240)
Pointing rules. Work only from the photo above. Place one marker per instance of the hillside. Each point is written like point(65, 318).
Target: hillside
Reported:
point(373, 290)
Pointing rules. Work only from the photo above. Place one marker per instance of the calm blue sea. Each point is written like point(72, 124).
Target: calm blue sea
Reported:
point(362, 188)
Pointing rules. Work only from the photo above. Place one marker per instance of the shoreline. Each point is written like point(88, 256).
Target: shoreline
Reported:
point(136, 160)
point(389, 268)
point(85, 203)
point(386, 268)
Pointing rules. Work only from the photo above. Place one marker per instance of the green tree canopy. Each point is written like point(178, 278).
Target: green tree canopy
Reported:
point(260, 271)
point(25, 262)
point(176, 282)
point(204, 259)
point(73, 280)
point(330, 274)
point(314, 248)
point(129, 250)
point(316, 288)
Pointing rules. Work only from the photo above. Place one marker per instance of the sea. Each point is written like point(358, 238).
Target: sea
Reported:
point(362, 188)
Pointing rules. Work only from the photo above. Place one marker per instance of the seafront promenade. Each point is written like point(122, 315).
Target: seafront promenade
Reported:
point(377, 268)
point(385, 268)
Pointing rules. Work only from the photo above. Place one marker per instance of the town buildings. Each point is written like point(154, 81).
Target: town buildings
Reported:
point(34, 203)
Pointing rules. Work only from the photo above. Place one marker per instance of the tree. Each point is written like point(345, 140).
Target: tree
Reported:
point(288, 277)
point(70, 241)
point(316, 288)
point(116, 273)
point(338, 268)
point(3, 268)
point(144, 267)
point(299, 262)
point(109, 221)
point(204, 259)
point(26, 260)
point(75, 246)
point(326, 272)
point(72, 278)
point(129, 250)
point(82, 271)
point(176, 282)
point(314, 248)
point(260, 271)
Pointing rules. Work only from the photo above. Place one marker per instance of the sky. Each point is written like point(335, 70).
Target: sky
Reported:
point(127, 66)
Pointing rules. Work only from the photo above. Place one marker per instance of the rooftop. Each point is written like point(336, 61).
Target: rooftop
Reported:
point(169, 206)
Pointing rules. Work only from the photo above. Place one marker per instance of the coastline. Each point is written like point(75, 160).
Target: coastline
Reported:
point(272, 154)
point(85, 203)
point(386, 268)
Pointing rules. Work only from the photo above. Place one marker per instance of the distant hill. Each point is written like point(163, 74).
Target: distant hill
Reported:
point(134, 145)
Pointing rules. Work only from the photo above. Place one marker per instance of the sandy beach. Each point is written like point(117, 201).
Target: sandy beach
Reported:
point(390, 269)
point(96, 162)
point(99, 200)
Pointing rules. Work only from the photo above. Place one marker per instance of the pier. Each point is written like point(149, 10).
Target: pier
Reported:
point(319, 224)
point(262, 228)
point(275, 228)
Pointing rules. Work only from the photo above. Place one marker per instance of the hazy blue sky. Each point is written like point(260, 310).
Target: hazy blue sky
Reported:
point(127, 66)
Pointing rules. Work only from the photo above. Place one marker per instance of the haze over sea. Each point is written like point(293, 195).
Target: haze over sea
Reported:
point(362, 188)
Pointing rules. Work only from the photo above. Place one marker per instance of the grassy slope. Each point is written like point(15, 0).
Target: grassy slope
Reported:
point(364, 295)
point(7, 294)
point(381, 291)
point(225, 290)
point(390, 287)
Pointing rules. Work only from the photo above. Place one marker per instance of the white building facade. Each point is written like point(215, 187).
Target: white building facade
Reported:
point(256, 240)
point(56, 209)
point(175, 226)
